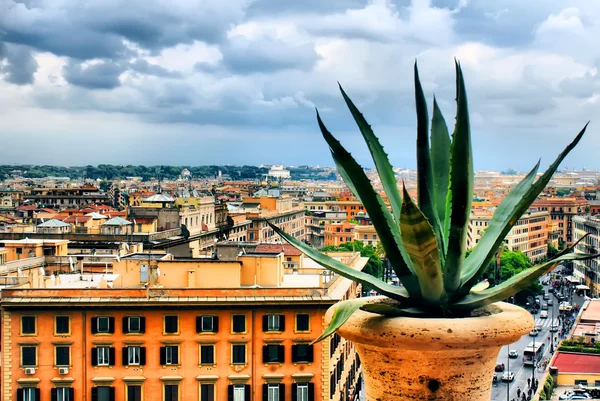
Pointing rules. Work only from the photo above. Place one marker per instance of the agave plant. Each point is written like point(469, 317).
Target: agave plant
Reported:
point(425, 242)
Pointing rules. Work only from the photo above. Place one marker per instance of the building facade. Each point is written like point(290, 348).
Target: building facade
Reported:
point(529, 234)
point(180, 330)
point(562, 210)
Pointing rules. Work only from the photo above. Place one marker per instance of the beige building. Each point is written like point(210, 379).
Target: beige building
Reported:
point(529, 234)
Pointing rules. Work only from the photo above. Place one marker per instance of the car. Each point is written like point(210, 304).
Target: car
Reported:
point(534, 333)
point(544, 306)
point(550, 302)
point(550, 290)
point(534, 311)
point(537, 301)
point(508, 376)
point(554, 328)
point(499, 368)
point(538, 327)
point(513, 353)
point(575, 395)
point(546, 297)
point(544, 314)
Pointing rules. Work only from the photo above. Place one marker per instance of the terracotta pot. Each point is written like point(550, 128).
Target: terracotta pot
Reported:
point(432, 359)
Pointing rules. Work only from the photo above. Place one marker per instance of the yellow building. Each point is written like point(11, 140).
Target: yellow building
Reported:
point(31, 248)
point(529, 234)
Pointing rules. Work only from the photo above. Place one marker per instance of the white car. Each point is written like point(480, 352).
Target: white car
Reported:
point(544, 314)
point(508, 376)
point(513, 353)
point(554, 328)
point(575, 395)
point(550, 302)
point(538, 327)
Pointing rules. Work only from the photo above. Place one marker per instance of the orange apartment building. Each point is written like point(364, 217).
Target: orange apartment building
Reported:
point(180, 330)
point(530, 234)
point(348, 205)
point(339, 233)
point(562, 210)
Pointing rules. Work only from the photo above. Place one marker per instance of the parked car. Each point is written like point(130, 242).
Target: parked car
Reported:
point(508, 376)
point(499, 368)
point(513, 353)
point(575, 395)
point(544, 314)
point(534, 333)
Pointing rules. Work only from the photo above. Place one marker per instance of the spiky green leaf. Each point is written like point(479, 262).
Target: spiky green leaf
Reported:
point(516, 283)
point(422, 247)
point(387, 230)
point(425, 184)
point(481, 286)
point(461, 188)
point(380, 158)
point(343, 311)
point(338, 267)
point(505, 217)
point(440, 160)
point(480, 258)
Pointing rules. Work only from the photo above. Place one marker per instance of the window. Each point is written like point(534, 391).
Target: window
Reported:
point(238, 354)
point(273, 323)
point(273, 392)
point(302, 353)
point(207, 392)
point(238, 392)
point(29, 356)
point(207, 354)
point(28, 394)
point(171, 324)
point(62, 394)
point(134, 324)
point(103, 393)
point(171, 392)
point(273, 353)
point(207, 324)
point(134, 355)
point(239, 323)
point(28, 325)
point(103, 324)
point(134, 392)
point(143, 273)
point(302, 322)
point(63, 355)
point(103, 356)
point(169, 355)
point(303, 392)
point(62, 325)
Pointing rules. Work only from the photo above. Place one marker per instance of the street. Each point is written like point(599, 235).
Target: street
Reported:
point(515, 365)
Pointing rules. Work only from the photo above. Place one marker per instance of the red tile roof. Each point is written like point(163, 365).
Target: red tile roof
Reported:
point(26, 207)
point(577, 363)
point(287, 249)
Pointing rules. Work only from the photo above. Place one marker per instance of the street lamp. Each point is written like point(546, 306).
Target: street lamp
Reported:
point(551, 332)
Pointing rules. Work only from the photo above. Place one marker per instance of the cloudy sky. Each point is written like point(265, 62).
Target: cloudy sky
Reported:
point(236, 81)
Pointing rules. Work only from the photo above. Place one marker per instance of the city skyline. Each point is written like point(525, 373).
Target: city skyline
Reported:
point(199, 83)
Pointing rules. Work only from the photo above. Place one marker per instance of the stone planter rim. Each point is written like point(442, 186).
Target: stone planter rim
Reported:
point(506, 324)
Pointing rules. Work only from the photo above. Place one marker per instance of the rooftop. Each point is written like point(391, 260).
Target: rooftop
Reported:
point(567, 362)
point(591, 312)
point(53, 223)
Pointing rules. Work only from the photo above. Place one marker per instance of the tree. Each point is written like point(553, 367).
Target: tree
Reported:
point(552, 251)
point(374, 265)
point(511, 263)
